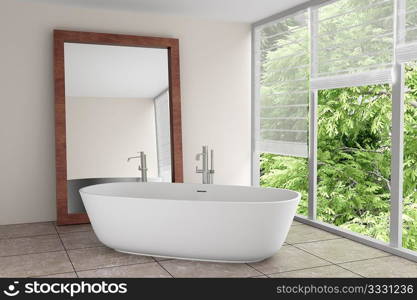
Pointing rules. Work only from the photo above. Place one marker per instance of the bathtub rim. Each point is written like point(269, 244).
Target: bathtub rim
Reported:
point(297, 196)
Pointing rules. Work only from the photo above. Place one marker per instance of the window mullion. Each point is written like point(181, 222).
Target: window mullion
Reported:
point(255, 108)
point(312, 191)
point(397, 151)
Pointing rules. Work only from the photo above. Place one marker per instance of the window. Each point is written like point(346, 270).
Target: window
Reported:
point(282, 92)
point(354, 159)
point(354, 50)
point(283, 70)
point(354, 36)
point(353, 43)
point(335, 116)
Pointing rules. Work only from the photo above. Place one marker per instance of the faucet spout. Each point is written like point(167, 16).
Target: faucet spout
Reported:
point(132, 157)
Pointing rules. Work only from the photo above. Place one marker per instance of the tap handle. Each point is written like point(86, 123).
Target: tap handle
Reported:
point(143, 166)
point(211, 160)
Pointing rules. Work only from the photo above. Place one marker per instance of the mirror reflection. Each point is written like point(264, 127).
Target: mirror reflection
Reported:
point(117, 116)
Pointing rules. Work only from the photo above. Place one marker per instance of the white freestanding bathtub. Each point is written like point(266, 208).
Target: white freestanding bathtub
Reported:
point(191, 221)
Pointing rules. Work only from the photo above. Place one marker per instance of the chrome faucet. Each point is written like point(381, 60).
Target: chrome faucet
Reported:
point(207, 174)
point(142, 167)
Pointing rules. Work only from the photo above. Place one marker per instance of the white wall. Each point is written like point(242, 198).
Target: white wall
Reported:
point(103, 132)
point(215, 85)
point(132, 72)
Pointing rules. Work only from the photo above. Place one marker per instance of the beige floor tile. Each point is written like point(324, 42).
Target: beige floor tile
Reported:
point(61, 275)
point(391, 266)
point(192, 269)
point(332, 271)
point(77, 240)
point(93, 258)
point(74, 228)
point(341, 250)
point(148, 270)
point(27, 245)
point(304, 233)
point(35, 264)
point(27, 229)
point(288, 258)
point(294, 223)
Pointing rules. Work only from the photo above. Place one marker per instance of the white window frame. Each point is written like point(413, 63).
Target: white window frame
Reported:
point(396, 223)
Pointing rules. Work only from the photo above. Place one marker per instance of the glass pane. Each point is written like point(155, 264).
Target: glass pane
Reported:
point(286, 172)
point(282, 86)
point(354, 159)
point(411, 21)
point(283, 56)
point(354, 36)
point(410, 159)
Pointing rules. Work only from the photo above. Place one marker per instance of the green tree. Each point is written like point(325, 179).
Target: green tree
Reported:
point(354, 159)
point(287, 173)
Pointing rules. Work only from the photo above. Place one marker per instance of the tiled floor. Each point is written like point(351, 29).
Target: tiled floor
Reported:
point(44, 250)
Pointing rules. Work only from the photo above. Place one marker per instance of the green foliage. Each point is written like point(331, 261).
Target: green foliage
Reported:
point(287, 173)
point(354, 156)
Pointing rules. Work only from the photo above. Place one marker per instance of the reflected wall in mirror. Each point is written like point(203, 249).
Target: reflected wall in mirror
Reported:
point(118, 101)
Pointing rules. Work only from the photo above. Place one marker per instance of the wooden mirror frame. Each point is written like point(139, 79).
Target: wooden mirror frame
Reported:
point(63, 36)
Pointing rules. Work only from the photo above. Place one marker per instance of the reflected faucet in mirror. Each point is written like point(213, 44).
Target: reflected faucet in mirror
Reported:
point(207, 174)
point(142, 166)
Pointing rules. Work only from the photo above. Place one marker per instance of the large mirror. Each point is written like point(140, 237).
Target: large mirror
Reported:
point(119, 114)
